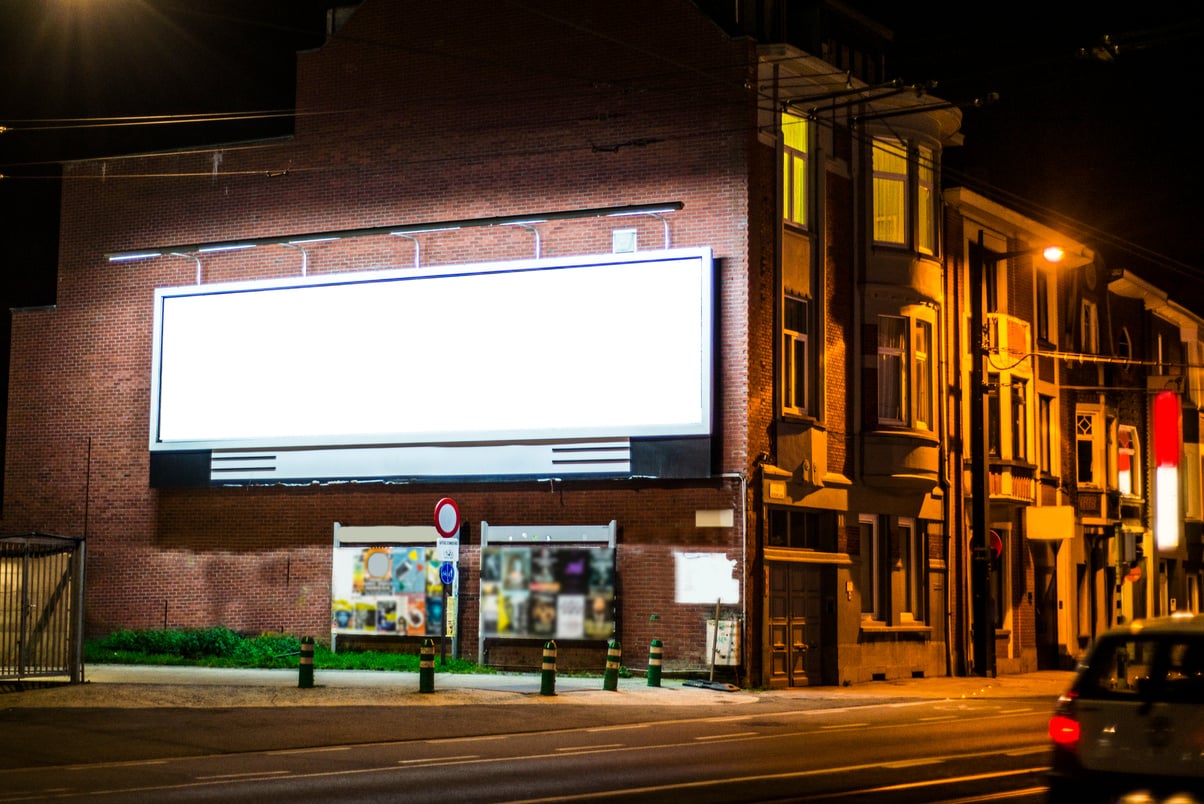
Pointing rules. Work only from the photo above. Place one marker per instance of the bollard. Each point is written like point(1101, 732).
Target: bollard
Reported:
point(654, 663)
point(426, 666)
point(305, 668)
point(547, 680)
point(610, 680)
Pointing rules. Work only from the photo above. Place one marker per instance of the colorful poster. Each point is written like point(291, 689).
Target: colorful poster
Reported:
point(391, 590)
point(547, 591)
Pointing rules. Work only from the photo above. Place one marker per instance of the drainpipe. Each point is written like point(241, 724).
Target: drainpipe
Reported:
point(743, 561)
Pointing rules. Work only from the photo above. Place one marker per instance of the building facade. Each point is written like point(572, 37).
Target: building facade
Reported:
point(1079, 357)
point(559, 327)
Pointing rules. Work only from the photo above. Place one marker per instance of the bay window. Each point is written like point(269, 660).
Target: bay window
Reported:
point(905, 372)
point(890, 192)
point(794, 169)
point(905, 194)
point(794, 355)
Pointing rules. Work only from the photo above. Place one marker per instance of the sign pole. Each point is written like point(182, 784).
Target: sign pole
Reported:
point(447, 522)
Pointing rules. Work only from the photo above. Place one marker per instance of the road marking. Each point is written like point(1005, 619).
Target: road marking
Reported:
point(911, 763)
point(284, 752)
point(251, 775)
point(620, 727)
point(437, 759)
point(744, 780)
point(132, 764)
point(580, 748)
point(741, 734)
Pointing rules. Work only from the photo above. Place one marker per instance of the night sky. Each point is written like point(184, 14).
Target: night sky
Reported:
point(1096, 145)
point(1092, 130)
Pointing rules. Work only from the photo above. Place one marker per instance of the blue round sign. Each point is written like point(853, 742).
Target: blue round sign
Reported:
point(447, 573)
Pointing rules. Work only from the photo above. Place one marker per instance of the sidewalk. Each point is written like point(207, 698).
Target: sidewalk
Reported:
point(136, 686)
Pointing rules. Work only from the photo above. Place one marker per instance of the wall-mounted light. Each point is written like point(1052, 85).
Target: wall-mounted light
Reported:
point(217, 248)
point(652, 213)
point(134, 255)
point(190, 257)
point(414, 240)
point(654, 210)
point(529, 226)
point(304, 256)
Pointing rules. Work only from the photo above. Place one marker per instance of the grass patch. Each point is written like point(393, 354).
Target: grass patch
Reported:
point(221, 647)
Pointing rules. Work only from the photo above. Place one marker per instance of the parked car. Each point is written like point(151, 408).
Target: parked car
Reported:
point(1132, 722)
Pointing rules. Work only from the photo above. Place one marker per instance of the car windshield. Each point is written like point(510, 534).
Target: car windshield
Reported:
point(1166, 667)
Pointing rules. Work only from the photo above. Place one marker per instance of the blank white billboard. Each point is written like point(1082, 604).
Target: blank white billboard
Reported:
point(562, 348)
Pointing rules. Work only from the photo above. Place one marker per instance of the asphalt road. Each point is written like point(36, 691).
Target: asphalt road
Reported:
point(129, 713)
point(374, 737)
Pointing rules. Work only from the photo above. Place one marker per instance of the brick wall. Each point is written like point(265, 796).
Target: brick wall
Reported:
point(401, 121)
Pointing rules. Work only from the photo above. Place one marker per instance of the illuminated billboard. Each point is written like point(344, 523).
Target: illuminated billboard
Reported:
point(499, 368)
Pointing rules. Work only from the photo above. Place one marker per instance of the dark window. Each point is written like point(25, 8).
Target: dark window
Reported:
point(802, 529)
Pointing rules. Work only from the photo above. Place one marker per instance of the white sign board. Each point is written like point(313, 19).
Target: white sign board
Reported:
point(705, 578)
point(447, 550)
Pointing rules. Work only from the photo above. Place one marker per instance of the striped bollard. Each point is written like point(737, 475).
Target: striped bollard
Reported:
point(610, 680)
point(654, 663)
point(305, 667)
point(547, 681)
point(426, 666)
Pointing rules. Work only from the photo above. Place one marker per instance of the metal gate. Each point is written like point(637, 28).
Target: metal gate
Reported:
point(41, 607)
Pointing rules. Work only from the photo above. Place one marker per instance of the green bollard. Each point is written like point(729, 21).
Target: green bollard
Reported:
point(426, 666)
point(305, 668)
point(547, 681)
point(610, 680)
point(654, 663)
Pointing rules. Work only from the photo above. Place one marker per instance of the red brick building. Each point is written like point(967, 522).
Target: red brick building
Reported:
point(753, 230)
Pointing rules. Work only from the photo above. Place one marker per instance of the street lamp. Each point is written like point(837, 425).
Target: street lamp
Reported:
point(982, 605)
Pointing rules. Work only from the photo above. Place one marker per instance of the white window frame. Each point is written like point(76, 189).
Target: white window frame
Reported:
point(1089, 434)
point(796, 358)
point(890, 173)
point(1128, 449)
point(926, 206)
point(1044, 306)
point(1047, 417)
point(906, 374)
point(922, 378)
point(871, 568)
point(796, 139)
point(1089, 327)
point(1018, 414)
point(893, 396)
point(1001, 582)
point(914, 558)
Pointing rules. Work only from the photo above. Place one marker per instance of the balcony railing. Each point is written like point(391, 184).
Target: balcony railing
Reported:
point(1008, 337)
point(1016, 482)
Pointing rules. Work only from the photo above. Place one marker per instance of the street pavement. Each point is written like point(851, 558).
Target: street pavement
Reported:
point(126, 714)
point(136, 686)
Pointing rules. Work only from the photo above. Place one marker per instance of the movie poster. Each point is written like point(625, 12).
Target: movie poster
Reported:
point(547, 592)
point(392, 591)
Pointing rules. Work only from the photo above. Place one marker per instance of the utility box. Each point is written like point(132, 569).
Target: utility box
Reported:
point(723, 651)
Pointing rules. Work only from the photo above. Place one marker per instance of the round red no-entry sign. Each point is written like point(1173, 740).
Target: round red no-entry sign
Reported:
point(447, 517)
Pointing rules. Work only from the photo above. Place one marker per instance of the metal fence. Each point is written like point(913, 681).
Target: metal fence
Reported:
point(41, 607)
